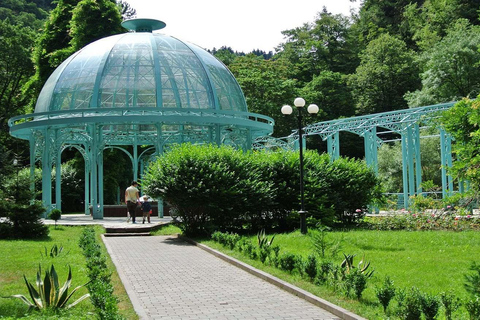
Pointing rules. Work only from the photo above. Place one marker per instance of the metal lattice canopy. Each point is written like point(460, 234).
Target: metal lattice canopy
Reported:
point(134, 89)
point(405, 122)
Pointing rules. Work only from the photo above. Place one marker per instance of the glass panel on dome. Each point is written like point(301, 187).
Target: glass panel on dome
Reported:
point(229, 94)
point(128, 78)
point(184, 82)
point(74, 88)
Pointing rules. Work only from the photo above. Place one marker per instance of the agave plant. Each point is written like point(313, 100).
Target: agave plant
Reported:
point(263, 239)
point(55, 251)
point(48, 293)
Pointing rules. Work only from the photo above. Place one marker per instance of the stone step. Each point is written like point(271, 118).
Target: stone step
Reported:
point(127, 234)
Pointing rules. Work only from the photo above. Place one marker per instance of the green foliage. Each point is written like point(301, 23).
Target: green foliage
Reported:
point(385, 293)
point(409, 304)
point(472, 280)
point(93, 20)
point(430, 306)
point(473, 307)
point(319, 240)
point(219, 188)
point(310, 267)
point(441, 219)
point(386, 72)
point(55, 214)
point(48, 294)
point(288, 261)
point(22, 221)
point(54, 252)
point(450, 303)
point(209, 187)
point(461, 122)
point(267, 84)
point(355, 277)
point(450, 69)
point(99, 286)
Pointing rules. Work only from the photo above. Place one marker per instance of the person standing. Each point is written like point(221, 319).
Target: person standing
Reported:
point(132, 197)
point(146, 209)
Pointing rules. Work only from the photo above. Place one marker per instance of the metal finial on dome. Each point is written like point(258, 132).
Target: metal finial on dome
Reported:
point(143, 25)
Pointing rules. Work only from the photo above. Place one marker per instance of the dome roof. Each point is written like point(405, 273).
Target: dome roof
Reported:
point(141, 69)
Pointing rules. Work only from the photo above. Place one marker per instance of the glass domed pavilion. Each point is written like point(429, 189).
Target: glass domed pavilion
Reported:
point(139, 91)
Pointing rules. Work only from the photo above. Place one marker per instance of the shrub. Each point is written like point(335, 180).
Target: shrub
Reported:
point(430, 306)
point(310, 267)
point(473, 307)
point(219, 188)
point(100, 287)
point(355, 277)
point(450, 303)
point(410, 304)
point(209, 187)
point(287, 261)
point(472, 281)
point(385, 293)
point(55, 215)
point(23, 221)
point(325, 268)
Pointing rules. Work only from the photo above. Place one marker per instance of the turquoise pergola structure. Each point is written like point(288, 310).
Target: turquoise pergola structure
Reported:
point(140, 92)
point(407, 123)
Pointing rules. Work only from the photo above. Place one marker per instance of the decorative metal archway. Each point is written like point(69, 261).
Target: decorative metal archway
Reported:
point(406, 123)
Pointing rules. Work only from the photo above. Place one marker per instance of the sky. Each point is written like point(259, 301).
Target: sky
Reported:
point(242, 25)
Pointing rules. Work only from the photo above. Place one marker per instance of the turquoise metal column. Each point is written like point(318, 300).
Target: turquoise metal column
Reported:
point(87, 187)
point(33, 149)
point(46, 174)
point(94, 168)
point(333, 146)
point(135, 161)
point(371, 148)
point(410, 153)
point(58, 180)
point(446, 161)
point(100, 149)
point(100, 185)
point(404, 170)
point(418, 159)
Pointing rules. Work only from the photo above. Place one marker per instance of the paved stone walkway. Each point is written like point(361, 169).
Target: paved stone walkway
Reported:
point(167, 278)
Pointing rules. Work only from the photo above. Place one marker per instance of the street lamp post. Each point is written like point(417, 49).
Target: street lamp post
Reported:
point(287, 110)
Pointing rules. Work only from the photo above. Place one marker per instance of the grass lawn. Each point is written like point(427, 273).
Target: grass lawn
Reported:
point(22, 257)
point(433, 261)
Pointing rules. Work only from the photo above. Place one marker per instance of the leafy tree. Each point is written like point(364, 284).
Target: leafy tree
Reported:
point(226, 55)
point(52, 47)
point(267, 86)
point(23, 13)
point(378, 17)
point(325, 44)
point(15, 69)
point(387, 70)
point(126, 10)
point(330, 91)
point(93, 20)
point(450, 67)
point(428, 22)
point(462, 122)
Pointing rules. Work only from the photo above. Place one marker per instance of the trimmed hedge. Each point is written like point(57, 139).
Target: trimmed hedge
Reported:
point(99, 286)
point(220, 188)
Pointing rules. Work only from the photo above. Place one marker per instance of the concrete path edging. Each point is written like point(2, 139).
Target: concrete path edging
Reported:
point(336, 310)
